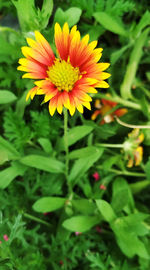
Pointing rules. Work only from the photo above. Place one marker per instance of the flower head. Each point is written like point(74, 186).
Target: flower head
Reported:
point(77, 233)
point(96, 176)
point(5, 236)
point(132, 149)
point(103, 109)
point(103, 187)
point(68, 79)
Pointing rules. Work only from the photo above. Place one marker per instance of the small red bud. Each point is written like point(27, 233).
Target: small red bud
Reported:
point(102, 187)
point(96, 176)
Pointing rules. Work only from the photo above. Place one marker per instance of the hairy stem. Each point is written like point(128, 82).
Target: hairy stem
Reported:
point(110, 145)
point(118, 172)
point(66, 148)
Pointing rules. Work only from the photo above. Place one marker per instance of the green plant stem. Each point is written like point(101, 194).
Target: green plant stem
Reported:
point(120, 100)
point(125, 172)
point(133, 64)
point(129, 125)
point(110, 145)
point(36, 219)
point(66, 148)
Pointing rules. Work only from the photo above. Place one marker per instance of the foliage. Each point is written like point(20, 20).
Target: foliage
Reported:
point(104, 222)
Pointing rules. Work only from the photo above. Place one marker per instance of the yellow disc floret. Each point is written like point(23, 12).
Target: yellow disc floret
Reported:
point(63, 75)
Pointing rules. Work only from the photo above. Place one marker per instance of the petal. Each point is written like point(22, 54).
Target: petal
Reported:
point(43, 42)
point(104, 75)
point(102, 84)
point(138, 155)
point(97, 104)
point(80, 108)
point(52, 105)
point(33, 54)
point(59, 104)
point(95, 114)
point(32, 93)
point(103, 66)
point(120, 112)
point(87, 105)
point(49, 96)
point(32, 66)
point(62, 40)
point(72, 110)
point(92, 90)
point(33, 75)
point(39, 49)
point(92, 45)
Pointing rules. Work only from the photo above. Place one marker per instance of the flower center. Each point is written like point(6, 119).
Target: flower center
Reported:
point(63, 75)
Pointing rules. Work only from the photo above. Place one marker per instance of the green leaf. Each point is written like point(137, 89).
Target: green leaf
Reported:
point(106, 210)
point(48, 204)
point(148, 76)
point(82, 153)
point(139, 186)
point(6, 48)
point(46, 12)
point(121, 194)
point(7, 151)
point(109, 162)
point(46, 145)
point(144, 105)
point(144, 21)
point(127, 237)
point(9, 174)
point(43, 163)
point(110, 23)
point(75, 134)
point(21, 104)
point(95, 32)
point(83, 164)
point(84, 206)
point(105, 132)
point(6, 97)
point(147, 169)
point(117, 54)
point(71, 15)
point(147, 135)
point(80, 223)
point(134, 223)
point(4, 261)
point(28, 19)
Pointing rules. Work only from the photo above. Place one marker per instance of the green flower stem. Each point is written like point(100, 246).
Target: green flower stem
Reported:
point(110, 145)
point(120, 100)
point(129, 125)
point(66, 148)
point(36, 219)
point(118, 172)
point(133, 64)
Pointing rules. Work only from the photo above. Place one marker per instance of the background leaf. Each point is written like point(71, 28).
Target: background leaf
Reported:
point(106, 210)
point(71, 15)
point(74, 134)
point(43, 163)
point(9, 174)
point(110, 23)
point(6, 97)
point(48, 204)
point(82, 165)
point(80, 223)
